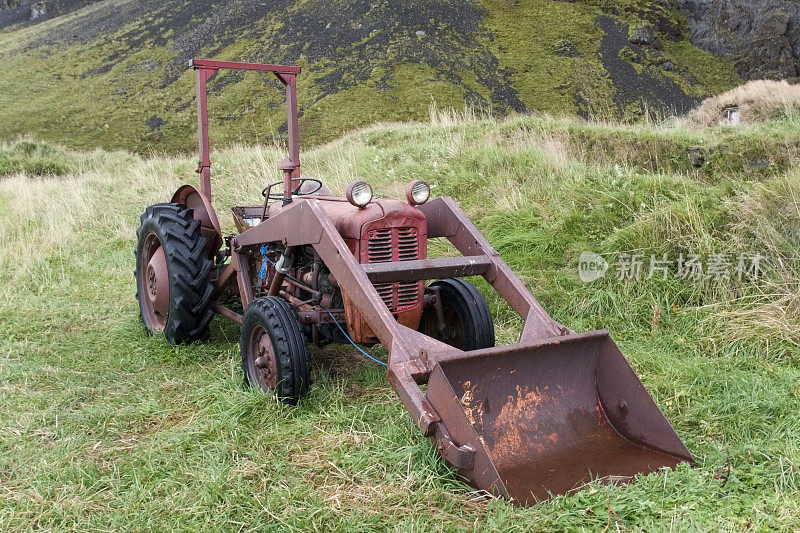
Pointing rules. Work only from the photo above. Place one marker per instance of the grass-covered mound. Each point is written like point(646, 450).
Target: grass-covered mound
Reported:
point(104, 428)
point(756, 101)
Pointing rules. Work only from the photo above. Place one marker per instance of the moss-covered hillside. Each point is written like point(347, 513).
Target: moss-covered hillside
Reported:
point(114, 73)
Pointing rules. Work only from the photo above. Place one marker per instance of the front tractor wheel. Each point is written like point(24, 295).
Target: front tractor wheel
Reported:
point(274, 353)
point(467, 323)
point(172, 274)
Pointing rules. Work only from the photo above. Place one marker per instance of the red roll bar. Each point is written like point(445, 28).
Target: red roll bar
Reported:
point(204, 69)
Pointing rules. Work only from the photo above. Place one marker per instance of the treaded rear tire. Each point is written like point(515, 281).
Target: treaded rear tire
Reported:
point(188, 269)
point(469, 306)
point(292, 357)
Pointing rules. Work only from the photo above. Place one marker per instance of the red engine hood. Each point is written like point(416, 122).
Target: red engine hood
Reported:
point(350, 220)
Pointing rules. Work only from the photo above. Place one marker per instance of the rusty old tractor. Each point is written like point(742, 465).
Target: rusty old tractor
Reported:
point(527, 421)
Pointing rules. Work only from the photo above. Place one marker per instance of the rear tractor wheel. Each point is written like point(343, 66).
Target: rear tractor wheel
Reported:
point(274, 353)
point(172, 274)
point(467, 321)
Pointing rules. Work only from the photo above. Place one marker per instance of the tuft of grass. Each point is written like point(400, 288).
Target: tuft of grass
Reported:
point(106, 429)
point(35, 158)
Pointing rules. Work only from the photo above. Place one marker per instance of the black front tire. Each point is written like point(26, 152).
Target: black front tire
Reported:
point(173, 228)
point(289, 374)
point(469, 324)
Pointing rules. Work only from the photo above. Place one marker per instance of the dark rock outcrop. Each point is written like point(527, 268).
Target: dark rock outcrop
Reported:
point(155, 123)
point(27, 12)
point(764, 35)
point(644, 35)
point(38, 10)
point(565, 48)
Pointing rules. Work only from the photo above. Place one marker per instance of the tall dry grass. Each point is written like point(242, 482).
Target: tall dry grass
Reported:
point(560, 179)
point(769, 218)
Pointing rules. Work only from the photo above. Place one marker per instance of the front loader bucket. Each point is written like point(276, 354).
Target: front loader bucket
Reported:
point(544, 419)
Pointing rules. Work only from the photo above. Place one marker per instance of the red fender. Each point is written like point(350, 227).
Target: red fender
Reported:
point(204, 212)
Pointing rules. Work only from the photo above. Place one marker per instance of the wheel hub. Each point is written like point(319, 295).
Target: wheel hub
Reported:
point(453, 331)
point(263, 358)
point(157, 280)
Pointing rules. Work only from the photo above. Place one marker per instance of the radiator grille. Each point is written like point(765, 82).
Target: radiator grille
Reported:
point(395, 244)
point(407, 244)
point(380, 246)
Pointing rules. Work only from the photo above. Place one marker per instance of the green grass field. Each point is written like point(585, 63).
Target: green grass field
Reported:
point(103, 428)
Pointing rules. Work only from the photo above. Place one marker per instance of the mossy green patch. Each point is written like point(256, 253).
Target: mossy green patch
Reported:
point(525, 36)
point(35, 159)
point(714, 74)
point(403, 101)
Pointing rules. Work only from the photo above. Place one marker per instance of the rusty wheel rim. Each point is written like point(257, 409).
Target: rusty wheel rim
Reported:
point(154, 283)
point(261, 358)
point(453, 333)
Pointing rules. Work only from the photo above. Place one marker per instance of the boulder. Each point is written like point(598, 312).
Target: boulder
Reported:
point(38, 10)
point(697, 156)
point(764, 34)
point(644, 34)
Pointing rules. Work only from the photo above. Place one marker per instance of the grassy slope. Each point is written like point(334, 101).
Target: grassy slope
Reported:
point(98, 76)
point(105, 428)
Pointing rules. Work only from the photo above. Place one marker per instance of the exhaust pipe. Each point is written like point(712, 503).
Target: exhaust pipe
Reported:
point(282, 267)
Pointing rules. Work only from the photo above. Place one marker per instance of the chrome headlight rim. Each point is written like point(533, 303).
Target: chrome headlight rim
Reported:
point(359, 193)
point(418, 192)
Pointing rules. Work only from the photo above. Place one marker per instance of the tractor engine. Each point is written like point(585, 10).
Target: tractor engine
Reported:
point(383, 231)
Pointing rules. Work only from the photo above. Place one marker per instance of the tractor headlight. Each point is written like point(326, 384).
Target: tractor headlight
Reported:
point(359, 193)
point(418, 192)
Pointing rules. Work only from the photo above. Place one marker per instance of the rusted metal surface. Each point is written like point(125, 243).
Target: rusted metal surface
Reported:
point(280, 272)
point(240, 264)
point(204, 69)
point(260, 357)
point(423, 269)
point(553, 416)
point(539, 417)
point(444, 323)
point(288, 167)
point(214, 64)
point(398, 237)
point(202, 210)
point(359, 329)
point(204, 165)
point(562, 392)
point(227, 313)
point(226, 275)
point(445, 219)
point(154, 266)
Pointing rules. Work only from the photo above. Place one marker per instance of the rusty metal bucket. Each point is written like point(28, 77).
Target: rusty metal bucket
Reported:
point(544, 419)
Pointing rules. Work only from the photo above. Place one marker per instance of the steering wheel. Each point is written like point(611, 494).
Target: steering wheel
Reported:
point(295, 192)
